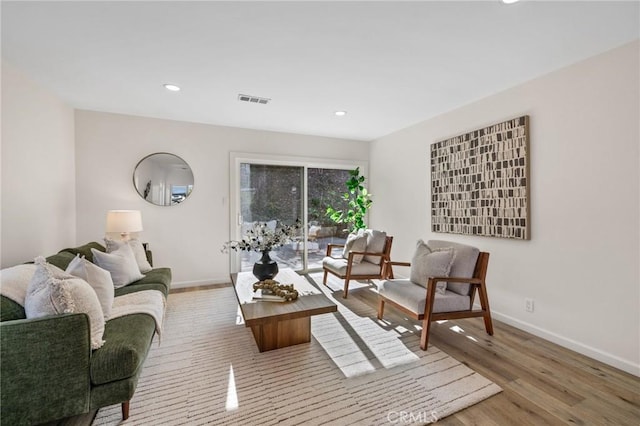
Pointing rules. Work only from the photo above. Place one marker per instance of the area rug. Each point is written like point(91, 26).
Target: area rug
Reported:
point(355, 371)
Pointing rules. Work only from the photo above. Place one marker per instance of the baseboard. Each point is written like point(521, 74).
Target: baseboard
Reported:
point(581, 348)
point(199, 283)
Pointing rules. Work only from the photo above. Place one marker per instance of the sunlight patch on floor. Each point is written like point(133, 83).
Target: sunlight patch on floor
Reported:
point(361, 346)
point(239, 317)
point(344, 351)
point(232, 395)
point(400, 329)
point(456, 329)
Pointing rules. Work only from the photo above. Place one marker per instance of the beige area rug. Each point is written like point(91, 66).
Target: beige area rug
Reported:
point(355, 371)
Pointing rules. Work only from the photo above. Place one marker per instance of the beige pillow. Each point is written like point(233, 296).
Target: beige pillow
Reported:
point(355, 242)
point(375, 244)
point(137, 248)
point(121, 264)
point(53, 292)
point(428, 263)
point(99, 279)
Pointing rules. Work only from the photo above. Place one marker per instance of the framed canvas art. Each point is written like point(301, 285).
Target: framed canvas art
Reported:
point(480, 182)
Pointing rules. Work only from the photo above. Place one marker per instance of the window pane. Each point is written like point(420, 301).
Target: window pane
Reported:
point(273, 195)
point(326, 187)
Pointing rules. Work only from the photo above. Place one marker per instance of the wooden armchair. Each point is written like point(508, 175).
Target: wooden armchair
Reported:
point(428, 305)
point(347, 269)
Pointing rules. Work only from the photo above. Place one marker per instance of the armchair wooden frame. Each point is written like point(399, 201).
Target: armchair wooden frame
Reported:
point(383, 273)
point(478, 284)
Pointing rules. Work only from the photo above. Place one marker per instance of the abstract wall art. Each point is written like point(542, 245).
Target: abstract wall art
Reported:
point(480, 182)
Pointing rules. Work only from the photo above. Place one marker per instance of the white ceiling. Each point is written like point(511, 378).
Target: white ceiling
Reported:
point(389, 64)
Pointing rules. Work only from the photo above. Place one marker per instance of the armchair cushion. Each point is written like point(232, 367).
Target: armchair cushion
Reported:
point(414, 297)
point(375, 244)
point(339, 267)
point(463, 266)
point(431, 263)
point(355, 242)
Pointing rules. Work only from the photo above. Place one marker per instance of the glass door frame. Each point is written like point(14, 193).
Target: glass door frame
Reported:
point(235, 212)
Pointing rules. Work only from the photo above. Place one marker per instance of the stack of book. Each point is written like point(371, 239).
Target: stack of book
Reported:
point(262, 295)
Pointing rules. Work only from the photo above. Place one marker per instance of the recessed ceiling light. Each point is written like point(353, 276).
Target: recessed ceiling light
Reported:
point(509, 1)
point(172, 87)
point(340, 113)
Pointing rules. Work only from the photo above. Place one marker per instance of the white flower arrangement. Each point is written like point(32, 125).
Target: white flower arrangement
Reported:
point(262, 238)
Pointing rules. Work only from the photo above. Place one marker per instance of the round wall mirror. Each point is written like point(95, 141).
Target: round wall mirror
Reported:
point(163, 179)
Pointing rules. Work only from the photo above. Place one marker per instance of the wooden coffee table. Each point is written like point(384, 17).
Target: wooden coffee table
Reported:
point(280, 324)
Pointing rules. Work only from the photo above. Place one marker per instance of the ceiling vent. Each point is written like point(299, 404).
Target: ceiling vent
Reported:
point(253, 99)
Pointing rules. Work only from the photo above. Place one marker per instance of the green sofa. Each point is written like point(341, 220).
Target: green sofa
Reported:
point(47, 368)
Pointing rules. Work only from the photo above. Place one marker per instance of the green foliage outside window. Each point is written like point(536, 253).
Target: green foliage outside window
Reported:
point(358, 200)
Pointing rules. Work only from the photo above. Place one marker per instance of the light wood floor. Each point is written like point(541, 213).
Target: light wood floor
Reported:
point(543, 383)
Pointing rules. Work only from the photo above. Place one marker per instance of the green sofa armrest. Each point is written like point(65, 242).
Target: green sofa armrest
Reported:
point(44, 368)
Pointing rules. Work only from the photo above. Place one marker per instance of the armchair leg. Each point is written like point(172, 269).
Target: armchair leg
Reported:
point(484, 302)
point(346, 288)
point(324, 279)
point(125, 410)
point(428, 309)
point(424, 337)
point(488, 324)
point(380, 307)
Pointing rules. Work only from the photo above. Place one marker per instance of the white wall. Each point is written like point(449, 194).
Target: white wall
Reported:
point(186, 237)
point(581, 264)
point(38, 170)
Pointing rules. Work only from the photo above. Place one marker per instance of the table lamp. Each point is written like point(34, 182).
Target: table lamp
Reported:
point(124, 222)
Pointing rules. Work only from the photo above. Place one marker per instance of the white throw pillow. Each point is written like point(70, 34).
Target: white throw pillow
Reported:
point(138, 251)
point(355, 242)
point(431, 263)
point(54, 292)
point(375, 244)
point(15, 280)
point(99, 279)
point(120, 263)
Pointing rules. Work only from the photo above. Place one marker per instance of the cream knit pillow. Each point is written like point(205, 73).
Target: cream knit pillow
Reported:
point(53, 292)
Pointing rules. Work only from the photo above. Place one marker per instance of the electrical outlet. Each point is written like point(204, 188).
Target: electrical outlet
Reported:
point(528, 305)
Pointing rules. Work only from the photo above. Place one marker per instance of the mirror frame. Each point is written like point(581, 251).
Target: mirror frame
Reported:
point(141, 192)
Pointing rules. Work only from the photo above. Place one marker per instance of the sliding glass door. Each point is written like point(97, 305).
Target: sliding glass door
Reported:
point(279, 192)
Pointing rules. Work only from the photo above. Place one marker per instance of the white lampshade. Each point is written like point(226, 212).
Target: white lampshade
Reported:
point(124, 221)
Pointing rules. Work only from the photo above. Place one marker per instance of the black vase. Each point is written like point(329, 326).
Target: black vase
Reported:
point(265, 268)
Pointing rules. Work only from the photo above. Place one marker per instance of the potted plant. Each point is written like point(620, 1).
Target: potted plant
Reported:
point(263, 239)
point(358, 200)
